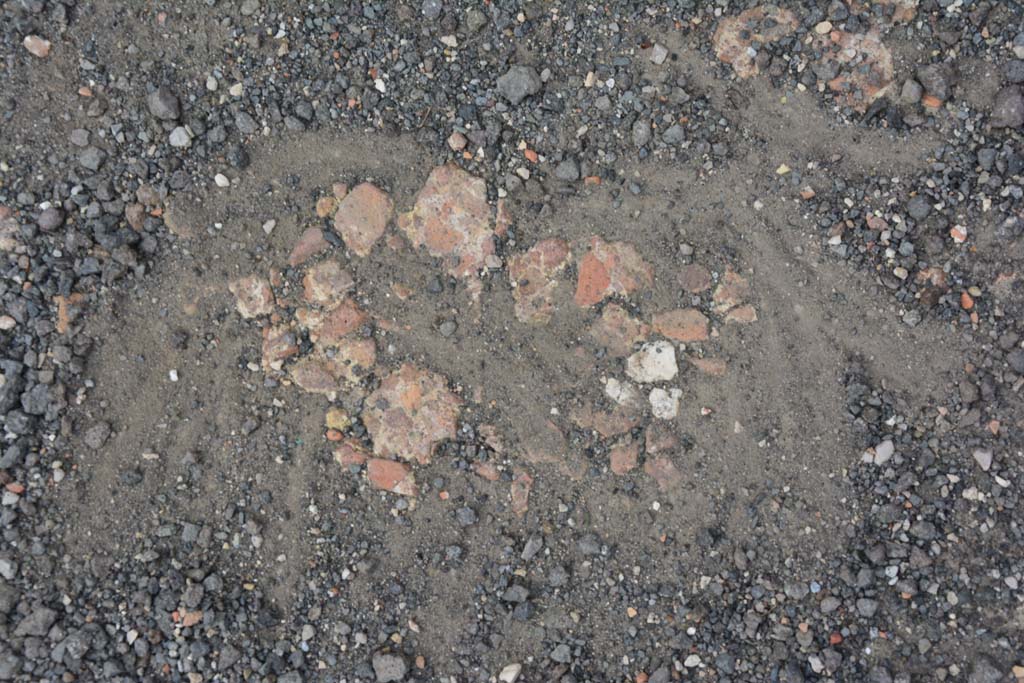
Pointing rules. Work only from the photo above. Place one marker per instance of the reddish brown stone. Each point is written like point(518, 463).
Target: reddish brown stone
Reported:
point(618, 420)
point(389, 475)
point(410, 413)
point(253, 296)
point(486, 471)
point(534, 273)
point(610, 268)
point(329, 328)
point(694, 278)
point(735, 35)
point(502, 218)
point(522, 482)
point(311, 242)
point(135, 214)
point(349, 452)
point(546, 444)
point(316, 374)
point(623, 457)
point(659, 437)
point(327, 283)
point(326, 206)
point(732, 291)
point(451, 218)
point(38, 46)
point(617, 331)
point(742, 314)
point(684, 324)
point(362, 217)
point(663, 471)
point(279, 344)
point(68, 310)
point(353, 358)
point(715, 367)
point(866, 67)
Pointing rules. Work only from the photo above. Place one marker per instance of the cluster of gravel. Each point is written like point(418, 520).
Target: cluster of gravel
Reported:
point(929, 587)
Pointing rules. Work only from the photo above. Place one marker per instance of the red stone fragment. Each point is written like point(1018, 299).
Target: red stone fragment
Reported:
point(534, 273)
point(279, 344)
point(522, 482)
point(684, 324)
point(617, 331)
point(610, 268)
point(410, 413)
point(362, 217)
point(327, 283)
point(311, 242)
point(451, 218)
point(389, 475)
point(735, 36)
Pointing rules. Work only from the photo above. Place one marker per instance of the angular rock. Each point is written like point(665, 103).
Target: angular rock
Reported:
point(389, 667)
point(535, 275)
point(311, 242)
point(617, 331)
point(390, 475)
point(279, 344)
point(684, 325)
point(742, 314)
point(619, 420)
point(654, 362)
point(40, 47)
point(610, 268)
point(1008, 108)
point(164, 104)
point(518, 83)
point(362, 217)
point(327, 283)
point(410, 413)
point(732, 291)
point(253, 296)
point(665, 402)
point(452, 219)
point(330, 328)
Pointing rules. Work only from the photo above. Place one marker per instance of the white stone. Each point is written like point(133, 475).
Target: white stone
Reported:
point(659, 53)
point(884, 451)
point(665, 404)
point(221, 180)
point(654, 362)
point(236, 90)
point(622, 393)
point(510, 673)
point(983, 457)
point(180, 137)
point(692, 661)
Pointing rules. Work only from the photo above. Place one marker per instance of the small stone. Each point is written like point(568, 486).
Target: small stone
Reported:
point(510, 673)
point(884, 451)
point(518, 83)
point(641, 132)
point(92, 158)
point(983, 457)
point(253, 296)
point(389, 667)
point(40, 47)
point(180, 137)
point(919, 207)
point(457, 141)
point(163, 104)
point(654, 362)
point(310, 243)
point(389, 475)
point(665, 404)
point(221, 180)
point(97, 435)
point(622, 458)
point(1008, 108)
point(659, 53)
point(684, 325)
point(568, 170)
point(535, 276)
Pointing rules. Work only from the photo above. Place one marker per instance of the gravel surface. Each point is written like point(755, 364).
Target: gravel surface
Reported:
point(512, 341)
